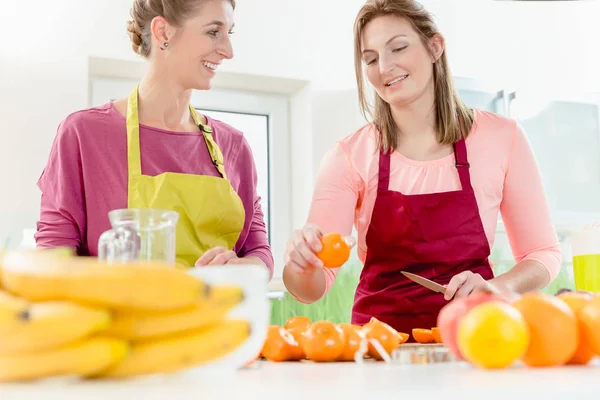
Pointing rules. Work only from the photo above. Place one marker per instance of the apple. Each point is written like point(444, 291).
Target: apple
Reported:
point(451, 314)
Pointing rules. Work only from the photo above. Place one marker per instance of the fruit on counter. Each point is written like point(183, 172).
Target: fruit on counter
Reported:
point(86, 280)
point(51, 324)
point(577, 300)
point(353, 336)
point(450, 315)
point(324, 341)
point(335, 251)
point(589, 316)
point(298, 322)
point(553, 329)
point(423, 335)
point(493, 335)
point(435, 332)
point(12, 308)
point(82, 358)
point(181, 351)
point(145, 324)
point(280, 345)
point(387, 336)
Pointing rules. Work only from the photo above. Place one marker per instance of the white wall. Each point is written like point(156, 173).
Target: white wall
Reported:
point(46, 45)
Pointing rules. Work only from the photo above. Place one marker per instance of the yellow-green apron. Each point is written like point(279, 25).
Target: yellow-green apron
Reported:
point(210, 211)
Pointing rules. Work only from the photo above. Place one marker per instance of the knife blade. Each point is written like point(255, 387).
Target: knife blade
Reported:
point(431, 285)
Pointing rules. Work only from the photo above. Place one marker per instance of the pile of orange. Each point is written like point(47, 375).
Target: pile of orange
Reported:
point(537, 329)
point(325, 341)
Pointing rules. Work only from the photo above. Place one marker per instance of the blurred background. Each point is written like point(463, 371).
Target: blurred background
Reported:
point(291, 89)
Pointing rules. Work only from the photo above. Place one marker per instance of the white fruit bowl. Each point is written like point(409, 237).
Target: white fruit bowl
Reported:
point(256, 308)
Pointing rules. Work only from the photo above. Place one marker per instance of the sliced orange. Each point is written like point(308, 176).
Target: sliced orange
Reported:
point(437, 336)
point(403, 337)
point(387, 336)
point(423, 335)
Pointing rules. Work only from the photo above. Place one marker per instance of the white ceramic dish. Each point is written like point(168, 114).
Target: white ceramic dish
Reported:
point(255, 308)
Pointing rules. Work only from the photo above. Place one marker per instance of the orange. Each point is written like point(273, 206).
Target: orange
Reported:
point(280, 345)
point(589, 316)
point(584, 352)
point(403, 337)
point(423, 335)
point(435, 332)
point(297, 322)
point(552, 328)
point(298, 335)
point(335, 251)
point(492, 335)
point(387, 336)
point(323, 341)
point(353, 336)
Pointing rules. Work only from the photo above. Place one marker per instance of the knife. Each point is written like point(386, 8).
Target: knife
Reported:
point(436, 287)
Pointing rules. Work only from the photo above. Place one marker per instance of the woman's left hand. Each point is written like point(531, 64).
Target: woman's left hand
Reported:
point(465, 283)
point(219, 256)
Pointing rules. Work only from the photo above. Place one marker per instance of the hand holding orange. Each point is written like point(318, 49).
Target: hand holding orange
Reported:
point(336, 250)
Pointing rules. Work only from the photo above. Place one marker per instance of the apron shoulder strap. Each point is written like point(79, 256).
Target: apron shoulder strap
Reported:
point(215, 152)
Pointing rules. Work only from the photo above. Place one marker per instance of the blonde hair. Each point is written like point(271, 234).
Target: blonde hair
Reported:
point(452, 117)
point(144, 11)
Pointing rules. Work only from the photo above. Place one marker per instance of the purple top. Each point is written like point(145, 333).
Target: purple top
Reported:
point(86, 177)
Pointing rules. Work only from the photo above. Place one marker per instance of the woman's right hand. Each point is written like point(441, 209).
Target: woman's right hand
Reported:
point(300, 255)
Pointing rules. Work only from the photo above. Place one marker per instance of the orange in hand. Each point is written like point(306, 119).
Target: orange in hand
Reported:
point(387, 336)
point(353, 335)
point(335, 251)
point(324, 341)
point(584, 352)
point(423, 335)
point(553, 329)
point(280, 345)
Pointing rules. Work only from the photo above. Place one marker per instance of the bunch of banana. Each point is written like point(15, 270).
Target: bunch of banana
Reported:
point(80, 317)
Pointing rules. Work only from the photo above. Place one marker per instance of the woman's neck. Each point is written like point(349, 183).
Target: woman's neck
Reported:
point(164, 104)
point(417, 131)
point(416, 119)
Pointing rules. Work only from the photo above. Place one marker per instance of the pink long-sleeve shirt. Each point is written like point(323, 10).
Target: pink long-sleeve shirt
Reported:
point(86, 177)
point(504, 176)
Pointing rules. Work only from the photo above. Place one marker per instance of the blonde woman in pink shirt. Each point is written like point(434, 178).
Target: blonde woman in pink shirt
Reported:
point(423, 184)
point(152, 149)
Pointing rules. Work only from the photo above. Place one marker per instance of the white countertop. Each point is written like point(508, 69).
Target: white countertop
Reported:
point(370, 381)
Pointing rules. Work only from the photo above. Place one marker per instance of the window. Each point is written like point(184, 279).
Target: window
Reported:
point(263, 118)
point(256, 132)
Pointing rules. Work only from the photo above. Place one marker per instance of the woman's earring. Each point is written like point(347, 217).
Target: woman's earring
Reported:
point(166, 44)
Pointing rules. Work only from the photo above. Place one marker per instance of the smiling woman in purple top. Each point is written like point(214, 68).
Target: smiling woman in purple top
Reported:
point(151, 149)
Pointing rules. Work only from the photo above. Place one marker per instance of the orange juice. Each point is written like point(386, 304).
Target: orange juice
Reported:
point(585, 246)
point(586, 269)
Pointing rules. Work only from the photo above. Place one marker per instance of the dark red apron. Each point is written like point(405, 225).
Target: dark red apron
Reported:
point(435, 235)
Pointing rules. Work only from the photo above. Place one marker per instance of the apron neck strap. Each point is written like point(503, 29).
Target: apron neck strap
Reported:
point(384, 169)
point(133, 135)
point(215, 152)
point(133, 138)
point(461, 162)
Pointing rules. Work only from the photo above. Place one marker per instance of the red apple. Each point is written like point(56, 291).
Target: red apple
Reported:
point(451, 314)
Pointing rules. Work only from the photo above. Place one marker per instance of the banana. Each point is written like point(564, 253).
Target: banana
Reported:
point(86, 280)
point(178, 352)
point(82, 358)
point(51, 324)
point(12, 309)
point(138, 325)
